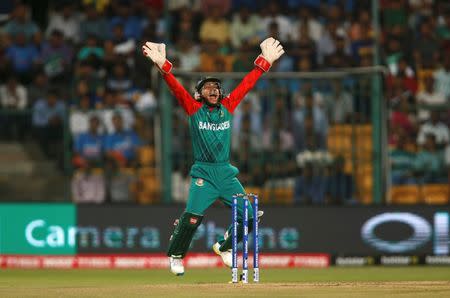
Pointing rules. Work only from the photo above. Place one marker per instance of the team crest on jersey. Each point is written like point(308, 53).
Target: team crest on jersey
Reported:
point(221, 114)
point(193, 220)
point(199, 182)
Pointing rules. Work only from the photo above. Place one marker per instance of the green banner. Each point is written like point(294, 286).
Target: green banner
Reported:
point(37, 229)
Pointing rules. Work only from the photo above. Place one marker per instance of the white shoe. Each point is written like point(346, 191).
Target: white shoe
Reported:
point(176, 266)
point(227, 257)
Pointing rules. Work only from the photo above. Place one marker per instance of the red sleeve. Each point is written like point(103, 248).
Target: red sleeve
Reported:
point(189, 104)
point(248, 82)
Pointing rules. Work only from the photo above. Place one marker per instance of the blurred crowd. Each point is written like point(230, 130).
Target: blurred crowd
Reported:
point(77, 66)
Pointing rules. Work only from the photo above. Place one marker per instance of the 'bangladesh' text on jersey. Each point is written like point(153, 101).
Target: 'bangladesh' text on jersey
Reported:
point(211, 134)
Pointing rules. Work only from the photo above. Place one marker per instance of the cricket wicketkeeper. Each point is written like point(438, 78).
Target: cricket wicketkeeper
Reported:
point(210, 115)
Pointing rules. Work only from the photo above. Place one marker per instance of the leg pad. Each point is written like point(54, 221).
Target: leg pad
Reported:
point(183, 234)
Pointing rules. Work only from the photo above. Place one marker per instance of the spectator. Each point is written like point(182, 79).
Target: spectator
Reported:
point(401, 75)
point(91, 51)
point(215, 27)
point(186, 24)
point(94, 24)
point(145, 103)
point(13, 95)
point(361, 37)
point(309, 187)
point(48, 117)
point(247, 123)
point(402, 163)
point(38, 88)
point(361, 26)
point(211, 59)
point(154, 22)
point(87, 82)
point(79, 116)
point(428, 99)
point(436, 128)
point(278, 137)
point(121, 145)
point(306, 138)
point(57, 58)
point(120, 184)
point(244, 59)
point(119, 45)
point(307, 25)
point(304, 47)
point(244, 28)
point(89, 145)
point(340, 186)
point(395, 46)
point(119, 81)
point(309, 109)
point(188, 55)
point(111, 105)
point(341, 56)
point(20, 24)
point(309, 90)
point(131, 24)
point(429, 163)
point(442, 78)
point(274, 16)
point(326, 44)
point(426, 46)
point(403, 117)
point(443, 30)
point(286, 63)
point(13, 99)
point(66, 21)
point(88, 186)
point(339, 105)
point(23, 57)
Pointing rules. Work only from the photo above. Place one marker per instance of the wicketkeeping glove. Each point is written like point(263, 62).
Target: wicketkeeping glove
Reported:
point(157, 53)
point(271, 50)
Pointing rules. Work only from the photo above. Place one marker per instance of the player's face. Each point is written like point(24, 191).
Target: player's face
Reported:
point(211, 93)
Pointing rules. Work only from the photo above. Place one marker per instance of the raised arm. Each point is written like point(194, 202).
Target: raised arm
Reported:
point(157, 53)
point(271, 50)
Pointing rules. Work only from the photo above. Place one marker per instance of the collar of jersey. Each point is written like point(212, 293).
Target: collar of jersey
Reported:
point(210, 109)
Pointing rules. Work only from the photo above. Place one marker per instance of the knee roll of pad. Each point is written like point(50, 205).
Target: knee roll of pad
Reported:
point(183, 234)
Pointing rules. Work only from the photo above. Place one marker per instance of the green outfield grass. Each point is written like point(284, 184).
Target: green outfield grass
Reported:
point(332, 282)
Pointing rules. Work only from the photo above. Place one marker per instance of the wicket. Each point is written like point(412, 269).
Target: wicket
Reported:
point(234, 218)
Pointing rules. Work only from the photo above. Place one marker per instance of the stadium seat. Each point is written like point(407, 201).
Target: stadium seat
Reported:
point(267, 196)
point(146, 155)
point(405, 194)
point(364, 182)
point(338, 144)
point(253, 190)
point(340, 130)
point(284, 195)
point(435, 194)
point(364, 130)
point(146, 171)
